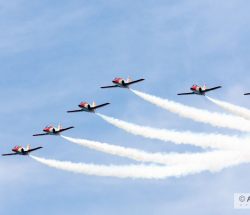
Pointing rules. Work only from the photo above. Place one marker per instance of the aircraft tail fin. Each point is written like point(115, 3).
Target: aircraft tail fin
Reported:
point(28, 147)
point(59, 126)
point(94, 104)
point(204, 87)
point(129, 79)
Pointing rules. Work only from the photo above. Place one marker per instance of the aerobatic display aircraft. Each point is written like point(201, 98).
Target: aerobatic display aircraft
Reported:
point(51, 130)
point(198, 90)
point(19, 150)
point(120, 82)
point(85, 106)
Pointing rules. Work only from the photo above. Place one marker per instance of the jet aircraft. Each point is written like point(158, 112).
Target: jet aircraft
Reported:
point(51, 130)
point(120, 82)
point(19, 150)
point(85, 106)
point(198, 90)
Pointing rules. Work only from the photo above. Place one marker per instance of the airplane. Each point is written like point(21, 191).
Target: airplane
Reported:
point(85, 106)
point(51, 130)
point(19, 150)
point(246, 94)
point(198, 90)
point(120, 82)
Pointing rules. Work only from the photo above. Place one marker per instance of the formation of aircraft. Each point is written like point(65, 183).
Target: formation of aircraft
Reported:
point(51, 130)
point(85, 106)
point(120, 82)
point(198, 90)
point(19, 150)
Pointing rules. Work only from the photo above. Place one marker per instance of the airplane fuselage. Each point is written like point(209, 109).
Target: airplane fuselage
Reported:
point(20, 151)
point(201, 93)
point(51, 130)
point(86, 107)
point(120, 83)
point(198, 90)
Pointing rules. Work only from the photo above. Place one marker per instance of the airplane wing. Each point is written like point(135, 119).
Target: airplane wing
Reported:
point(9, 154)
point(181, 94)
point(132, 82)
point(98, 106)
point(246, 94)
point(72, 111)
point(35, 135)
point(31, 150)
point(214, 88)
point(109, 86)
point(65, 129)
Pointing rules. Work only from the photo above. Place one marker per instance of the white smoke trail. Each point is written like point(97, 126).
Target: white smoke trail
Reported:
point(204, 116)
point(151, 171)
point(202, 140)
point(234, 109)
point(142, 156)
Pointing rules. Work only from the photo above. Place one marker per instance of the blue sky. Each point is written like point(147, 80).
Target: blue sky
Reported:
point(55, 54)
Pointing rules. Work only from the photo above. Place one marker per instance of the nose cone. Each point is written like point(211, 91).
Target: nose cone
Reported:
point(46, 129)
point(116, 80)
point(81, 104)
point(193, 87)
point(15, 149)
